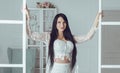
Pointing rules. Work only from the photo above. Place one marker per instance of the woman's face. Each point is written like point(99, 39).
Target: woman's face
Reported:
point(61, 24)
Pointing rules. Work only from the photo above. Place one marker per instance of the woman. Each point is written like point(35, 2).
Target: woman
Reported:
point(62, 49)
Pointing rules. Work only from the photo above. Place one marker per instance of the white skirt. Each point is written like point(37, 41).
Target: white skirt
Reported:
point(61, 68)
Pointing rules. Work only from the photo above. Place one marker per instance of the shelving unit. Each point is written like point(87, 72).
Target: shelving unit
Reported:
point(111, 17)
point(109, 50)
point(41, 21)
point(21, 66)
point(20, 20)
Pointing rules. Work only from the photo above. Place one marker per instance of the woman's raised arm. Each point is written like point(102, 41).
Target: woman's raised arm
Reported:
point(90, 34)
point(35, 35)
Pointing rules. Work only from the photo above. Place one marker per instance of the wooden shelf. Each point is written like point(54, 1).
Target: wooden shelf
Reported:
point(11, 22)
point(110, 66)
point(111, 16)
point(41, 8)
point(11, 65)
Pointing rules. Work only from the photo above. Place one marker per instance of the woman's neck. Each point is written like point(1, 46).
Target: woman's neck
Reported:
point(60, 35)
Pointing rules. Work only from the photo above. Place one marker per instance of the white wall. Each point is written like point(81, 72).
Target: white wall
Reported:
point(81, 14)
point(111, 4)
point(11, 9)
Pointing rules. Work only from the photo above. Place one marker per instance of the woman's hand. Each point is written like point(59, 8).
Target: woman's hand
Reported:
point(26, 10)
point(96, 22)
point(27, 13)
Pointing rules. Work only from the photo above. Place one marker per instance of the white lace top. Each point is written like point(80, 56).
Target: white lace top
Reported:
point(61, 48)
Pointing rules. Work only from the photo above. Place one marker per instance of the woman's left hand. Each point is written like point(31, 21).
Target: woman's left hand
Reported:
point(96, 22)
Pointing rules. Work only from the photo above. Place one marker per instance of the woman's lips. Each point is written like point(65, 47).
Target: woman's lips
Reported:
point(62, 28)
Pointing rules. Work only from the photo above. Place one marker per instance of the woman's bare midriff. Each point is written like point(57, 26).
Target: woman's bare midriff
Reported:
point(59, 60)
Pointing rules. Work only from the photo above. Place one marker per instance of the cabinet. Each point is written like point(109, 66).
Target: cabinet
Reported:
point(41, 21)
point(110, 37)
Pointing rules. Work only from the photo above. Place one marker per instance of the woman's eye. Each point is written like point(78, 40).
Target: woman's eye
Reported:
point(58, 22)
point(63, 22)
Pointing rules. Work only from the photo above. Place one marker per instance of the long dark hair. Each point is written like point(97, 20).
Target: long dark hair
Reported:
point(68, 36)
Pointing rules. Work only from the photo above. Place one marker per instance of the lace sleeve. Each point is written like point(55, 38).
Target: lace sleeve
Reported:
point(75, 69)
point(90, 34)
point(40, 36)
point(37, 36)
point(48, 68)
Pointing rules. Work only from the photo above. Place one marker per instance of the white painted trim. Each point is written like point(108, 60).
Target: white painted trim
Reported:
point(110, 66)
point(110, 23)
point(99, 39)
point(24, 37)
point(11, 22)
point(99, 48)
point(36, 45)
point(41, 8)
point(11, 65)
